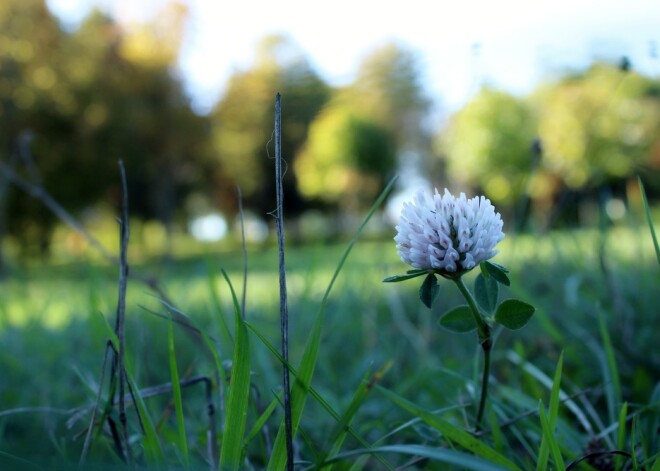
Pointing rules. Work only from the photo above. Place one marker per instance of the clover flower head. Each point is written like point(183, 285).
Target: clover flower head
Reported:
point(447, 234)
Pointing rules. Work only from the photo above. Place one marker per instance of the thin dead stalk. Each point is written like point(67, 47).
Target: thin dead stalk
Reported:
point(244, 247)
point(284, 311)
point(120, 325)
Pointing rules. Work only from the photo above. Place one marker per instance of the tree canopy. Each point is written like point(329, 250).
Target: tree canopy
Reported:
point(243, 123)
point(78, 101)
point(594, 128)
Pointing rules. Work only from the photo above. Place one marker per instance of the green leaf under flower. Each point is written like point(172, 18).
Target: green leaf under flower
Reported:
point(486, 291)
point(498, 272)
point(459, 319)
point(514, 314)
point(429, 290)
point(409, 274)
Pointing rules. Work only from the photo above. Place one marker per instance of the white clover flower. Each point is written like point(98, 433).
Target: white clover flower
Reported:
point(447, 234)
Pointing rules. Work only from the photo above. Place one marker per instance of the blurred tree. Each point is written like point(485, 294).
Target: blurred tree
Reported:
point(369, 127)
point(388, 90)
point(488, 144)
point(598, 126)
point(243, 124)
point(346, 160)
point(99, 103)
point(30, 99)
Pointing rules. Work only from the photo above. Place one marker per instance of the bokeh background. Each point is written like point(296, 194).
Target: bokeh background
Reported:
point(552, 110)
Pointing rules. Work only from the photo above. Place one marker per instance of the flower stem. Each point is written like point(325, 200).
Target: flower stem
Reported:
point(486, 342)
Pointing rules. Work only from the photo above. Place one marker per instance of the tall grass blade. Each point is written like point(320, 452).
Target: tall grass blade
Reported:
point(359, 464)
point(24, 464)
point(549, 438)
point(211, 279)
point(554, 392)
point(310, 354)
point(540, 376)
point(495, 430)
point(647, 211)
point(340, 430)
point(239, 389)
point(547, 441)
point(451, 432)
point(152, 447)
point(314, 393)
point(176, 392)
point(633, 452)
point(612, 383)
point(442, 455)
point(621, 435)
point(261, 421)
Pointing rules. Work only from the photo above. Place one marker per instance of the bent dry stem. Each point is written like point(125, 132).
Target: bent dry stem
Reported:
point(486, 342)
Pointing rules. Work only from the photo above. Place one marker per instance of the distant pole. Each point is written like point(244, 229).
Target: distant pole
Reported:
point(284, 312)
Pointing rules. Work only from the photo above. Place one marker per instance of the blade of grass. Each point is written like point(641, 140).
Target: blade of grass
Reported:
point(310, 354)
point(152, 447)
point(176, 392)
point(633, 452)
point(555, 391)
point(239, 389)
point(457, 458)
point(450, 431)
point(611, 380)
point(359, 463)
point(546, 442)
point(495, 430)
point(549, 438)
point(340, 430)
point(25, 464)
point(545, 380)
point(649, 221)
point(621, 435)
point(211, 279)
point(263, 418)
point(314, 393)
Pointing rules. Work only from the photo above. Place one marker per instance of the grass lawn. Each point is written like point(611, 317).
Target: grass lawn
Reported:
point(596, 297)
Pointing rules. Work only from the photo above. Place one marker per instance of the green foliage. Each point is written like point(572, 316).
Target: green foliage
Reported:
point(388, 90)
point(498, 272)
point(514, 314)
point(409, 275)
point(346, 159)
point(429, 371)
point(488, 144)
point(310, 354)
point(597, 126)
point(176, 393)
point(649, 221)
point(429, 290)
point(231, 456)
point(459, 319)
point(243, 122)
point(486, 290)
point(579, 133)
point(451, 432)
point(78, 102)
point(354, 145)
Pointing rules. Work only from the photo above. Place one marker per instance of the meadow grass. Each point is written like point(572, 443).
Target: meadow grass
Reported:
point(388, 377)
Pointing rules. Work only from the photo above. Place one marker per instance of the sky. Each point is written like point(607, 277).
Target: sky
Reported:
point(509, 44)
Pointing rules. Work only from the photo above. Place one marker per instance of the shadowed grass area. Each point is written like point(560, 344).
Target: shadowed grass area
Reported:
point(595, 295)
